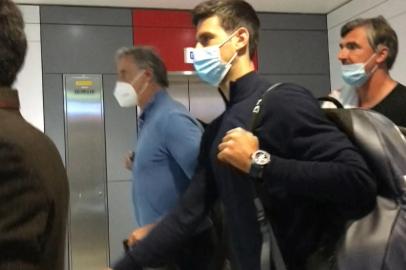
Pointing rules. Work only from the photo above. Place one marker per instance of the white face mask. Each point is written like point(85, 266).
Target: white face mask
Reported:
point(125, 93)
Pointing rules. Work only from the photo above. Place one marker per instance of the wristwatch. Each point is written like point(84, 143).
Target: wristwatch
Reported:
point(258, 161)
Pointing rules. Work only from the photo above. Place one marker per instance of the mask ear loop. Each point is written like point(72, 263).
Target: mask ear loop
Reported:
point(144, 88)
point(232, 58)
point(136, 79)
point(228, 39)
point(376, 51)
point(369, 60)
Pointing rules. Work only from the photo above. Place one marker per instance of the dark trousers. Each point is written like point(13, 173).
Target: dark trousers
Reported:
point(200, 253)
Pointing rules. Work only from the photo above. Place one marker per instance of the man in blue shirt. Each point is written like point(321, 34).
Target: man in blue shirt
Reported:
point(167, 147)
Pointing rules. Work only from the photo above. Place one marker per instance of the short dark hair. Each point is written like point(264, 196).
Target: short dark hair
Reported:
point(379, 32)
point(232, 14)
point(13, 42)
point(146, 57)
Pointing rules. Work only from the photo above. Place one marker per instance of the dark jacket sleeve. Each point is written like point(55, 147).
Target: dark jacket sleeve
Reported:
point(178, 226)
point(23, 211)
point(313, 158)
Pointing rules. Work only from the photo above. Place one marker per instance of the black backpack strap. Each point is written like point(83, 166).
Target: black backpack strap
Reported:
point(270, 251)
point(332, 100)
point(257, 108)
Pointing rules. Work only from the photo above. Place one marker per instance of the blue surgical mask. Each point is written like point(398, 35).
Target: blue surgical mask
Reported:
point(208, 63)
point(355, 74)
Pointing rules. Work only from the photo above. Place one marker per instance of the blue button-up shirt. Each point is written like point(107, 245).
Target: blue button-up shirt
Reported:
point(165, 159)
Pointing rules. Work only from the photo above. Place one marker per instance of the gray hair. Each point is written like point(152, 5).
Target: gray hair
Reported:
point(379, 32)
point(146, 58)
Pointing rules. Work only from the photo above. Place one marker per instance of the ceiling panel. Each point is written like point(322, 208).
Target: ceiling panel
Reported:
point(296, 6)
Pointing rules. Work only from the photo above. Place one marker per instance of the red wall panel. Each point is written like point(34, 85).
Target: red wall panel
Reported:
point(162, 18)
point(169, 32)
point(169, 43)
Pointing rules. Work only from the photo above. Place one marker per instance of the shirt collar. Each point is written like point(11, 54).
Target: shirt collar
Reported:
point(151, 104)
point(9, 99)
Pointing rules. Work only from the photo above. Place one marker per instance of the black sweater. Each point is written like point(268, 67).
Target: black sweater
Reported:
point(393, 105)
point(315, 181)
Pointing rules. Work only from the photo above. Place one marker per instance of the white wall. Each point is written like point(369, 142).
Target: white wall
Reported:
point(393, 10)
point(29, 80)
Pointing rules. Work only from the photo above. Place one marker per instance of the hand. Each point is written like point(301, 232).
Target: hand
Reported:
point(237, 147)
point(138, 234)
point(128, 160)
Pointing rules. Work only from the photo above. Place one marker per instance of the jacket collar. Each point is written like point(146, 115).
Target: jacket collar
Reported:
point(9, 99)
point(243, 87)
point(153, 103)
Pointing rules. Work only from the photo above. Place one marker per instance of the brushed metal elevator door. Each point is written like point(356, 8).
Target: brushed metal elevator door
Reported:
point(202, 100)
point(86, 167)
point(205, 101)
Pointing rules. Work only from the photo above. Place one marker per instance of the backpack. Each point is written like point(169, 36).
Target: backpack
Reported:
point(376, 241)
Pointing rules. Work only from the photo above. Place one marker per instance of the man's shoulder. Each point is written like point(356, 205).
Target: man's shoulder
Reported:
point(31, 140)
point(285, 94)
point(40, 140)
point(396, 96)
point(173, 106)
point(176, 112)
point(400, 88)
point(19, 128)
point(174, 116)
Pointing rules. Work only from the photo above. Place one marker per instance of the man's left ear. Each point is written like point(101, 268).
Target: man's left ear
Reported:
point(241, 38)
point(382, 53)
point(148, 74)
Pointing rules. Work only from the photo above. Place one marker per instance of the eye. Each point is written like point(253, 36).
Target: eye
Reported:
point(351, 46)
point(204, 39)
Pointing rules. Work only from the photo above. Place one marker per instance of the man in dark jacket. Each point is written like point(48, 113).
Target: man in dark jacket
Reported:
point(33, 182)
point(313, 178)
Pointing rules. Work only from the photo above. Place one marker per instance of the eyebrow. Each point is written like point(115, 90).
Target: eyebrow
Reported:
point(205, 35)
point(349, 44)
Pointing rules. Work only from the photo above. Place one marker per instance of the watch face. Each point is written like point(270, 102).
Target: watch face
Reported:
point(261, 157)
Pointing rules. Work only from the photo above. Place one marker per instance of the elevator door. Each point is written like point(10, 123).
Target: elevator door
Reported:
point(201, 99)
point(86, 168)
